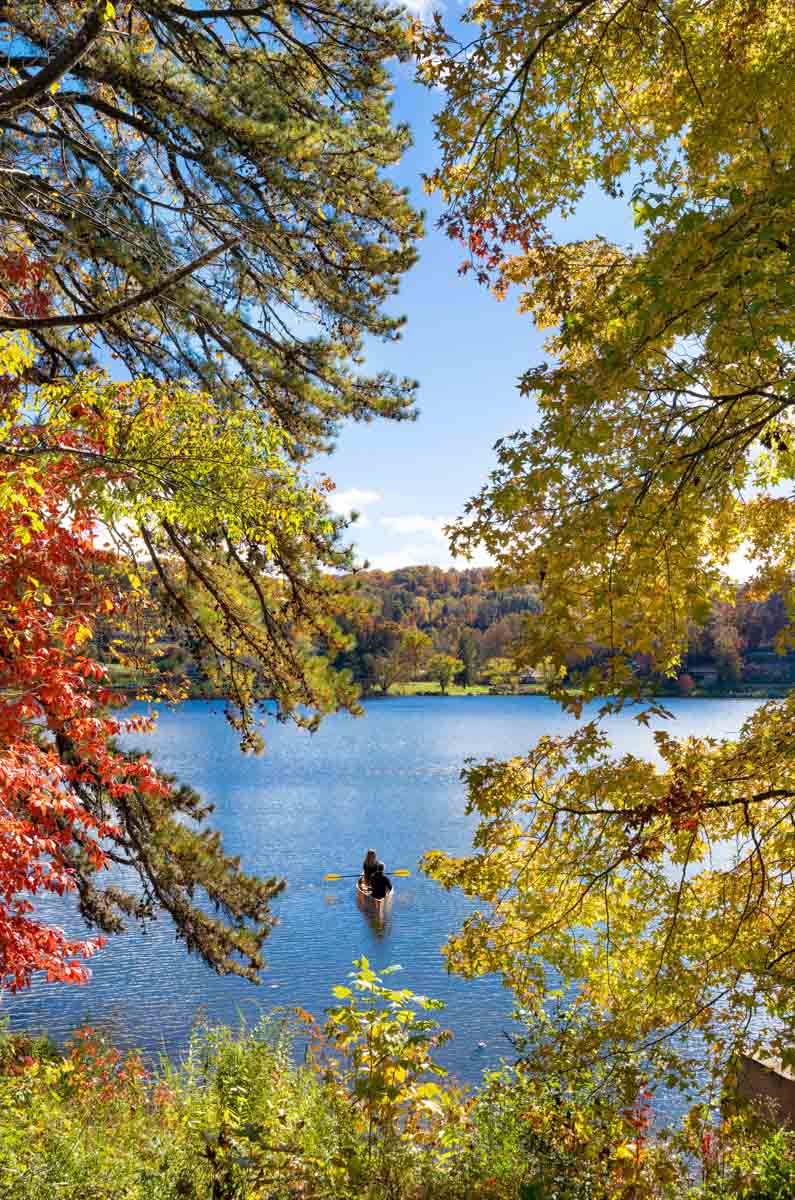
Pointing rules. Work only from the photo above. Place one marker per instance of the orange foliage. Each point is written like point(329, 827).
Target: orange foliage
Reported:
point(56, 763)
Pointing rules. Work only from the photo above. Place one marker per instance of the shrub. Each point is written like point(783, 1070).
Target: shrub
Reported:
point(369, 1115)
point(757, 1164)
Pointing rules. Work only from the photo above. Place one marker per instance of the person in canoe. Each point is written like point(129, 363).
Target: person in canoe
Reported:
point(368, 867)
point(380, 884)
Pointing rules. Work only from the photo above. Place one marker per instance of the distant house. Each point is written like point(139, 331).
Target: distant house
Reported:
point(766, 666)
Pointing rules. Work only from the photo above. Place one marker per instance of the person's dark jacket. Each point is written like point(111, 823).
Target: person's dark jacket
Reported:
point(380, 885)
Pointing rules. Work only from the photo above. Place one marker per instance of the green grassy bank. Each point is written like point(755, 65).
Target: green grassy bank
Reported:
point(123, 677)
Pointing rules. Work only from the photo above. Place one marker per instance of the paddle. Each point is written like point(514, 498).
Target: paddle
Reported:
point(402, 874)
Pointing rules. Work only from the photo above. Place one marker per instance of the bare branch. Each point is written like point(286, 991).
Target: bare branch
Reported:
point(26, 94)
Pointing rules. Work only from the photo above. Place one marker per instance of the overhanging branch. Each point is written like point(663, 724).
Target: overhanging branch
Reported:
point(63, 320)
point(27, 93)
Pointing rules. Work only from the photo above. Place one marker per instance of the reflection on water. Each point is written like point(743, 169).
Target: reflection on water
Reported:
point(313, 805)
point(377, 916)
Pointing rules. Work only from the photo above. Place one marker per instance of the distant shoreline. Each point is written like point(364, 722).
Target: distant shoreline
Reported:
point(753, 692)
point(426, 689)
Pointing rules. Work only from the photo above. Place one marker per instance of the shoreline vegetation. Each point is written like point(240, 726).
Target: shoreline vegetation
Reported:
point(367, 1114)
point(425, 688)
point(429, 631)
point(122, 678)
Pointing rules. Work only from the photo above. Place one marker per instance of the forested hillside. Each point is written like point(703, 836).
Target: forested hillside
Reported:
point(408, 618)
point(443, 626)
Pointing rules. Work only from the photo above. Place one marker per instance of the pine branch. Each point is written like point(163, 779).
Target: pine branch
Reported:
point(27, 93)
point(95, 316)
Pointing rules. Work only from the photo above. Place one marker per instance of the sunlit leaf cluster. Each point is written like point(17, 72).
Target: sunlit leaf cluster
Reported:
point(658, 451)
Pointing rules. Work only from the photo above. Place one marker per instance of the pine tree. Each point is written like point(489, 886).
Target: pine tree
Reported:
point(206, 186)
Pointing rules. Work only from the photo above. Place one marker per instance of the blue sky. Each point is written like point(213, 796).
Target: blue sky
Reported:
point(467, 350)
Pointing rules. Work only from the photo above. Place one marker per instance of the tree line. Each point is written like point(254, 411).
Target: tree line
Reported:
point(407, 622)
point(428, 623)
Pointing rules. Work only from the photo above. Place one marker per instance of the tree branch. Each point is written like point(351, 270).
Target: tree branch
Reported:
point(105, 314)
point(25, 94)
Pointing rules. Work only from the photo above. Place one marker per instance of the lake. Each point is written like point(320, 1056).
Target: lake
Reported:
point(311, 805)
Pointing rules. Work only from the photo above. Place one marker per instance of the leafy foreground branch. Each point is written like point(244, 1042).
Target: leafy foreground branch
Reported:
point(661, 893)
point(130, 512)
point(368, 1115)
point(659, 898)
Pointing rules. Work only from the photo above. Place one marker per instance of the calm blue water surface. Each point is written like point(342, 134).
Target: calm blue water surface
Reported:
point(313, 804)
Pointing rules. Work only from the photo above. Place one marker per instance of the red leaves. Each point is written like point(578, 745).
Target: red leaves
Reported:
point(27, 946)
point(55, 751)
point(491, 243)
point(45, 691)
point(639, 1117)
point(18, 269)
point(681, 807)
point(23, 281)
point(98, 1071)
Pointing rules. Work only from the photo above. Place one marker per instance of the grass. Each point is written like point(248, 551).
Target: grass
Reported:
point(125, 676)
point(742, 691)
point(429, 687)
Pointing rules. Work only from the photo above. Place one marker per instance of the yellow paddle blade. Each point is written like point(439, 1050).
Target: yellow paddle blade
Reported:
point(402, 873)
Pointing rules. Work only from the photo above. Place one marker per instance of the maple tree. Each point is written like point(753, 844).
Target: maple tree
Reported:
point(661, 893)
point(444, 668)
point(401, 654)
point(144, 504)
point(207, 189)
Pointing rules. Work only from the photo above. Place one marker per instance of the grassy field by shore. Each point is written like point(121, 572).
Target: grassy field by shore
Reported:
point(122, 677)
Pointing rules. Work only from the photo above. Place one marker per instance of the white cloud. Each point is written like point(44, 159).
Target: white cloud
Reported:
point(417, 554)
point(423, 8)
point(429, 545)
point(430, 526)
point(406, 556)
point(353, 500)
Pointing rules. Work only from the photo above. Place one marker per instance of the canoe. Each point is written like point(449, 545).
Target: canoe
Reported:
point(368, 901)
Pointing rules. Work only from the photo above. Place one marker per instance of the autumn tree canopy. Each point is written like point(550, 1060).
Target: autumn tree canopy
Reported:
point(154, 504)
point(145, 505)
point(206, 188)
point(198, 197)
point(71, 804)
point(663, 444)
